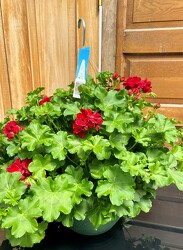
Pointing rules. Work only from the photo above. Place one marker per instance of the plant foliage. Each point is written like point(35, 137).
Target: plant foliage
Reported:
point(99, 156)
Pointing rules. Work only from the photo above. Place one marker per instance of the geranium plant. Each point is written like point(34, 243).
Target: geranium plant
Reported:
point(100, 156)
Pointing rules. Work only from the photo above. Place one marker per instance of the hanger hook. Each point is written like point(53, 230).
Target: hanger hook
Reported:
point(81, 20)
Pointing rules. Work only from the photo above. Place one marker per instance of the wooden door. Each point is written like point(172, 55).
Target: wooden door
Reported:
point(150, 44)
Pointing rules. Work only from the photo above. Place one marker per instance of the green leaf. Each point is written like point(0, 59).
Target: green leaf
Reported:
point(21, 219)
point(177, 151)
point(81, 147)
point(145, 204)
point(163, 125)
point(54, 197)
point(28, 239)
point(135, 164)
point(12, 149)
point(125, 210)
point(100, 211)
point(141, 136)
point(35, 135)
point(58, 145)
point(112, 100)
point(33, 96)
point(11, 112)
point(11, 188)
point(78, 212)
point(177, 177)
point(80, 186)
point(97, 168)
point(71, 108)
point(119, 140)
point(118, 121)
point(118, 185)
point(40, 164)
point(48, 109)
point(101, 147)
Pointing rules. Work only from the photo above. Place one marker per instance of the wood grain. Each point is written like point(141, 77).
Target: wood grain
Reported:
point(33, 48)
point(133, 40)
point(120, 27)
point(166, 75)
point(109, 35)
point(88, 10)
point(157, 10)
point(54, 32)
point(17, 49)
point(5, 102)
point(149, 44)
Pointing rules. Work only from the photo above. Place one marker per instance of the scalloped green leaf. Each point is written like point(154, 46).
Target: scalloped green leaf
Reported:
point(80, 186)
point(54, 197)
point(58, 145)
point(28, 239)
point(119, 140)
point(162, 125)
point(12, 149)
point(119, 121)
point(101, 147)
point(100, 211)
point(118, 185)
point(71, 108)
point(110, 101)
point(80, 146)
point(35, 135)
point(40, 164)
point(11, 188)
point(46, 109)
point(22, 219)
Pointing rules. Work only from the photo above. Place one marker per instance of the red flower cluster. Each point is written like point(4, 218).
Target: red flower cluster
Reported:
point(115, 75)
point(45, 99)
point(20, 166)
point(136, 85)
point(115, 82)
point(11, 129)
point(86, 120)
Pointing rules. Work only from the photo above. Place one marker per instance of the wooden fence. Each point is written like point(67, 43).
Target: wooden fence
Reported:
point(39, 41)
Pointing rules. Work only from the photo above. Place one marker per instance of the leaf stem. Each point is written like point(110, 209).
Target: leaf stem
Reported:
point(52, 122)
point(72, 160)
point(132, 146)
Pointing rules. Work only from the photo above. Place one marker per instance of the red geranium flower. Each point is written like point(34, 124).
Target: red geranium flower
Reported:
point(136, 85)
point(11, 129)
point(115, 75)
point(86, 120)
point(45, 99)
point(20, 166)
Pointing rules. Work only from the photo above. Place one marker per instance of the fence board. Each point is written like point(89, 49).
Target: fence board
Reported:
point(17, 49)
point(88, 10)
point(109, 35)
point(5, 102)
point(53, 32)
point(33, 48)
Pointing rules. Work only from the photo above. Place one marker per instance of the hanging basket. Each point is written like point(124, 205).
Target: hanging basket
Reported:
point(85, 227)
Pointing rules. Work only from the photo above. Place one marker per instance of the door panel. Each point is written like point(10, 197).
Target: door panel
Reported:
point(157, 40)
point(149, 44)
point(155, 67)
point(151, 11)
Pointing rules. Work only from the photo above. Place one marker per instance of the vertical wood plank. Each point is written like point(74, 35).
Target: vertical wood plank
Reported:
point(17, 48)
point(121, 25)
point(33, 48)
point(72, 38)
point(56, 52)
point(88, 10)
point(5, 102)
point(109, 35)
